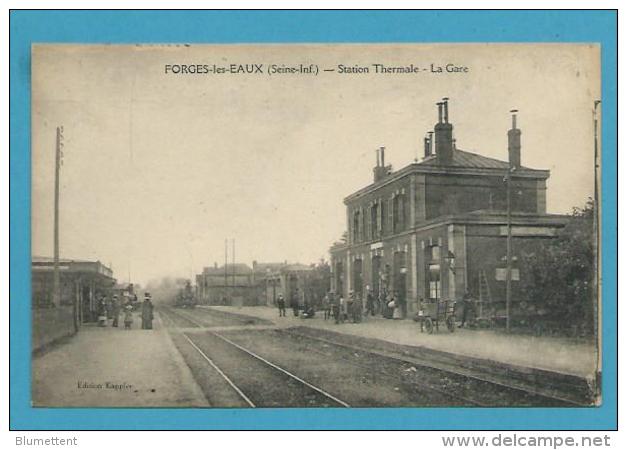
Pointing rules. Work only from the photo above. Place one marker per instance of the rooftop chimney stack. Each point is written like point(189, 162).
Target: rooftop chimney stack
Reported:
point(443, 135)
point(429, 144)
point(513, 143)
point(381, 171)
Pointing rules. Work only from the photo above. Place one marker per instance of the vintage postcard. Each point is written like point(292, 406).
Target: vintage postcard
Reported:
point(280, 226)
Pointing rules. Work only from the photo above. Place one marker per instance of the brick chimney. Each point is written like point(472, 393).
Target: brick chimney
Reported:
point(443, 135)
point(381, 171)
point(513, 143)
point(428, 144)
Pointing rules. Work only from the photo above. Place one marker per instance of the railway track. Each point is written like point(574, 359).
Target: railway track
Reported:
point(542, 398)
point(453, 398)
point(454, 382)
point(330, 399)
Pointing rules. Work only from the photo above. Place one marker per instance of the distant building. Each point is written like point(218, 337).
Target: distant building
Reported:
point(438, 227)
point(261, 284)
point(127, 292)
point(233, 284)
point(293, 281)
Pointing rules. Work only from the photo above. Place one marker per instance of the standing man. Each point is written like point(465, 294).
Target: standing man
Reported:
point(281, 304)
point(343, 311)
point(115, 311)
point(397, 313)
point(326, 305)
point(147, 314)
point(369, 301)
point(335, 307)
point(350, 305)
point(468, 305)
point(358, 307)
point(294, 302)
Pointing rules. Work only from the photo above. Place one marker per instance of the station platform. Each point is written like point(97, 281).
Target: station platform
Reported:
point(107, 366)
point(556, 354)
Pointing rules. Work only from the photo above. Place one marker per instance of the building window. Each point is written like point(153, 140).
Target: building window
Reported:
point(434, 289)
point(434, 281)
point(356, 226)
point(374, 221)
point(398, 212)
point(382, 215)
point(435, 253)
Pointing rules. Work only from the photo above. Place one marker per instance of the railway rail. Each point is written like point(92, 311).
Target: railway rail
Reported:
point(239, 390)
point(458, 380)
point(542, 398)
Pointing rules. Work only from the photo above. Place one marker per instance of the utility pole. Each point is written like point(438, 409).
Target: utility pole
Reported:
point(226, 274)
point(56, 284)
point(233, 259)
point(508, 273)
point(596, 229)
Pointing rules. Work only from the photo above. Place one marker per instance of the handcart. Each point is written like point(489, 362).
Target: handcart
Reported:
point(436, 312)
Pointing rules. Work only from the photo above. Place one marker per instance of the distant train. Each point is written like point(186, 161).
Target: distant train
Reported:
point(185, 297)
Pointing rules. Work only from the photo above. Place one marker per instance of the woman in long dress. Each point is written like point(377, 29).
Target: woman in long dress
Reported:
point(147, 314)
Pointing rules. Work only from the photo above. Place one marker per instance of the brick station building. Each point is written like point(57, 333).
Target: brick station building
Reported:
point(438, 227)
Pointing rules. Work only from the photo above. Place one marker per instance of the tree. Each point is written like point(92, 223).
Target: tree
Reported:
point(559, 276)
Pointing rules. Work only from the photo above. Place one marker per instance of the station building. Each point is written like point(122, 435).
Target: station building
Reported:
point(438, 227)
point(82, 283)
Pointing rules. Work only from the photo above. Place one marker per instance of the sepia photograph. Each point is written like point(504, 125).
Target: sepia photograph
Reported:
point(316, 225)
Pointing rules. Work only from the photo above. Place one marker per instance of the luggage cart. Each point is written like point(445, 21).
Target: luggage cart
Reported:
point(436, 312)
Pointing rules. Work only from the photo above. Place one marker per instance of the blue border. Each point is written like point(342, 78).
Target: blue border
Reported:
point(27, 27)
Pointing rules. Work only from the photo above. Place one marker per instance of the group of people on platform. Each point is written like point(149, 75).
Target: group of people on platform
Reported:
point(351, 309)
point(113, 309)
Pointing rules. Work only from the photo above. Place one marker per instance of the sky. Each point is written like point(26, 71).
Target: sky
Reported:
point(160, 168)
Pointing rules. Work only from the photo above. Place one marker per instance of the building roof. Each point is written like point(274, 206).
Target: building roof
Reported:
point(466, 159)
point(264, 267)
point(45, 263)
point(463, 163)
point(237, 269)
point(50, 260)
point(297, 267)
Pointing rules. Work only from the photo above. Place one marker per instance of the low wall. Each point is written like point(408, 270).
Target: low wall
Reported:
point(51, 324)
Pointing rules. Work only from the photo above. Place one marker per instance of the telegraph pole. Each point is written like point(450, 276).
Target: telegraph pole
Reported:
point(508, 275)
point(226, 274)
point(233, 260)
point(56, 284)
point(596, 230)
